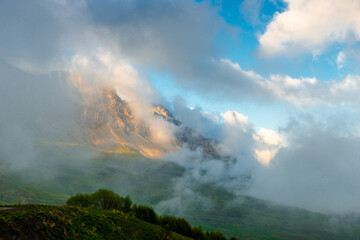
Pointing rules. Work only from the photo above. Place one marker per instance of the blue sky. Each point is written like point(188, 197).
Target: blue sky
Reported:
point(248, 20)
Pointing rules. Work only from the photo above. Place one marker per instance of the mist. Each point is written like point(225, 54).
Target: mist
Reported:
point(50, 72)
point(316, 171)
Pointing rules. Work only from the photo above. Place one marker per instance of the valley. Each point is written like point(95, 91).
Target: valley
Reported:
point(148, 181)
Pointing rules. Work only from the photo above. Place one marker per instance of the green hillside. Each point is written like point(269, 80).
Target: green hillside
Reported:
point(257, 219)
point(54, 222)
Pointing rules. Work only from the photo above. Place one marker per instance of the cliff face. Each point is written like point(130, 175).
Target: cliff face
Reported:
point(111, 110)
point(109, 123)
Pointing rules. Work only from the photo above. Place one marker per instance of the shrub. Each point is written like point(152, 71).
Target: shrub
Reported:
point(80, 200)
point(102, 198)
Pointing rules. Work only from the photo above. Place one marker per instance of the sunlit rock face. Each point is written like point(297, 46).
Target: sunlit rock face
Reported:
point(113, 111)
point(108, 123)
point(166, 114)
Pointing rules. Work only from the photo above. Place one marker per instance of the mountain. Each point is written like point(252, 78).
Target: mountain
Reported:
point(110, 124)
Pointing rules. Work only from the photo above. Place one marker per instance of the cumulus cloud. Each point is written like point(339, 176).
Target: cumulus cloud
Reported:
point(311, 26)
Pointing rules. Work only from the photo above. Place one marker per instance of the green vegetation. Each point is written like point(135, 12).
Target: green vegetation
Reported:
point(67, 222)
point(101, 199)
point(108, 200)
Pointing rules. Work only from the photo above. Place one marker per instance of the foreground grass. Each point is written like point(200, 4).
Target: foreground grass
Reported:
point(65, 222)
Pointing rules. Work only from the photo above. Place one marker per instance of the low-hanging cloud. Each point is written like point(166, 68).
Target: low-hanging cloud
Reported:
point(30, 34)
point(34, 108)
point(318, 170)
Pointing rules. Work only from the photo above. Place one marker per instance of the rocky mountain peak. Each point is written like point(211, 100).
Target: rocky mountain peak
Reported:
point(110, 122)
point(166, 114)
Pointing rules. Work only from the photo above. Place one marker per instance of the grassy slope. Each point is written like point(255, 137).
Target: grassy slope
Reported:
point(148, 182)
point(54, 222)
point(256, 219)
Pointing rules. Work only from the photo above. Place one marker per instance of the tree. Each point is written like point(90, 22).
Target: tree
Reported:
point(80, 200)
point(102, 198)
point(198, 233)
point(106, 199)
point(145, 213)
point(215, 236)
point(127, 204)
point(178, 225)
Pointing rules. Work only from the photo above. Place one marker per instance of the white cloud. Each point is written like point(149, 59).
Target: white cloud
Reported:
point(311, 25)
point(234, 118)
point(269, 142)
point(264, 156)
point(239, 133)
point(303, 91)
point(340, 60)
point(269, 136)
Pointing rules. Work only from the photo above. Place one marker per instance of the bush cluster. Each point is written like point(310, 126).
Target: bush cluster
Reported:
point(106, 199)
point(102, 199)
